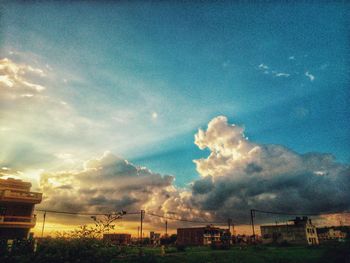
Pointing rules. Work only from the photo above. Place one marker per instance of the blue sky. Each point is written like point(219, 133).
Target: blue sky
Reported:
point(138, 79)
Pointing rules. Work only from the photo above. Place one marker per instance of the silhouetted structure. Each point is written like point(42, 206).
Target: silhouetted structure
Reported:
point(154, 238)
point(301, 232)
point(16, 208)
point(198, 236)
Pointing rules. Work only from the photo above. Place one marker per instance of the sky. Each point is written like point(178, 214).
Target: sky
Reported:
point(136, 80)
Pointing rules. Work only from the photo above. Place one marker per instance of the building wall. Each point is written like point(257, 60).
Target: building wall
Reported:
point(302, 232)
point(190, 236)
point(16, 208)
point(199, 236)
point(283, 233)
point(311, 234)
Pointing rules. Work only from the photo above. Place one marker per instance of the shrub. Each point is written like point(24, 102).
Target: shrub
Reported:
point(181, 248)
point(75, 250)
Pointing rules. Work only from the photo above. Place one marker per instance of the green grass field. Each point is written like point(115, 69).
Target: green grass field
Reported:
point(96, 251)
point(257, 254)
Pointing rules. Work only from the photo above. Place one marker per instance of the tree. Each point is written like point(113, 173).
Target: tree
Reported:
point(101, 225)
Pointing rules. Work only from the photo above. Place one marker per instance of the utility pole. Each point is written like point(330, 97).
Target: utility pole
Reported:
point(252, 215)
point(229, 222)
point(141, 219)
point(166, 227)
point(42, 230)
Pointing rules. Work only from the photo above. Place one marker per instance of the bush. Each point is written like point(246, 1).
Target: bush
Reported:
point(339, 252)
point(75, 250)
point(220, 245)
point(181, 248)
point(284, 243)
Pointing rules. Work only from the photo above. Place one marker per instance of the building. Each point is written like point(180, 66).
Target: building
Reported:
point(199, 236)
point(329, 234)
point(118, 239)
point(301, 232)
point(154, 238)
point(16, 208)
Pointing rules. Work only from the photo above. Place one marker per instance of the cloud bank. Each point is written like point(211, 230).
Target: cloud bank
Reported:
point(236, 176)
point(110, 184)
point(239, 175)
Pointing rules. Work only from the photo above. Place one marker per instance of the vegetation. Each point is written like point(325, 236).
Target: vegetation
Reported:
point(101, 225)
point(84, 245)
point(94, 250)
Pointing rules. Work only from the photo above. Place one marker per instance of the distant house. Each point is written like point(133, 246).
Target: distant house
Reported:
point(154, 238)
point(199, 236)
point(329, 234)
point(118, 239)
point(16, 208)
point(301, 232)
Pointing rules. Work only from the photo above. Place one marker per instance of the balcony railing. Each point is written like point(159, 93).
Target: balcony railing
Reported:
point(16, 195)
point(17, 221)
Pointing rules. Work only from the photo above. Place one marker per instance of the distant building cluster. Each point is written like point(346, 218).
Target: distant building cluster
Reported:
point(16, 219)
point(332, 234)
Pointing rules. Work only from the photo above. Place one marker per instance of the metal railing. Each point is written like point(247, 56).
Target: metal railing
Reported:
point(17, 194)
point(18, 220)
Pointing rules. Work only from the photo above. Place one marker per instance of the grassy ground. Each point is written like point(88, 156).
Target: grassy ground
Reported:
point(95, 251)
point(250, 254)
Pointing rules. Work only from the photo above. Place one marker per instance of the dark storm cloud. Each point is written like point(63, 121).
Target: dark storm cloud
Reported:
point(240, 175)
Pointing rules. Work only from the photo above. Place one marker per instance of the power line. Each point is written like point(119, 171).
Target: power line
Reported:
point(296, 214)
point(184, 220)
point(126, 213)
point(82, 213)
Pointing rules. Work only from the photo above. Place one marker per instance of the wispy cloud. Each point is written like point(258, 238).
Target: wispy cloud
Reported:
point(281, 74)
point(129, 120)
point(266, 70)
point(310, 76)
point(263, 66)
point(16, 79)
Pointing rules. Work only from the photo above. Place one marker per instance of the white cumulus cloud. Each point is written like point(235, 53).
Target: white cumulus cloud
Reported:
point(239, 175)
